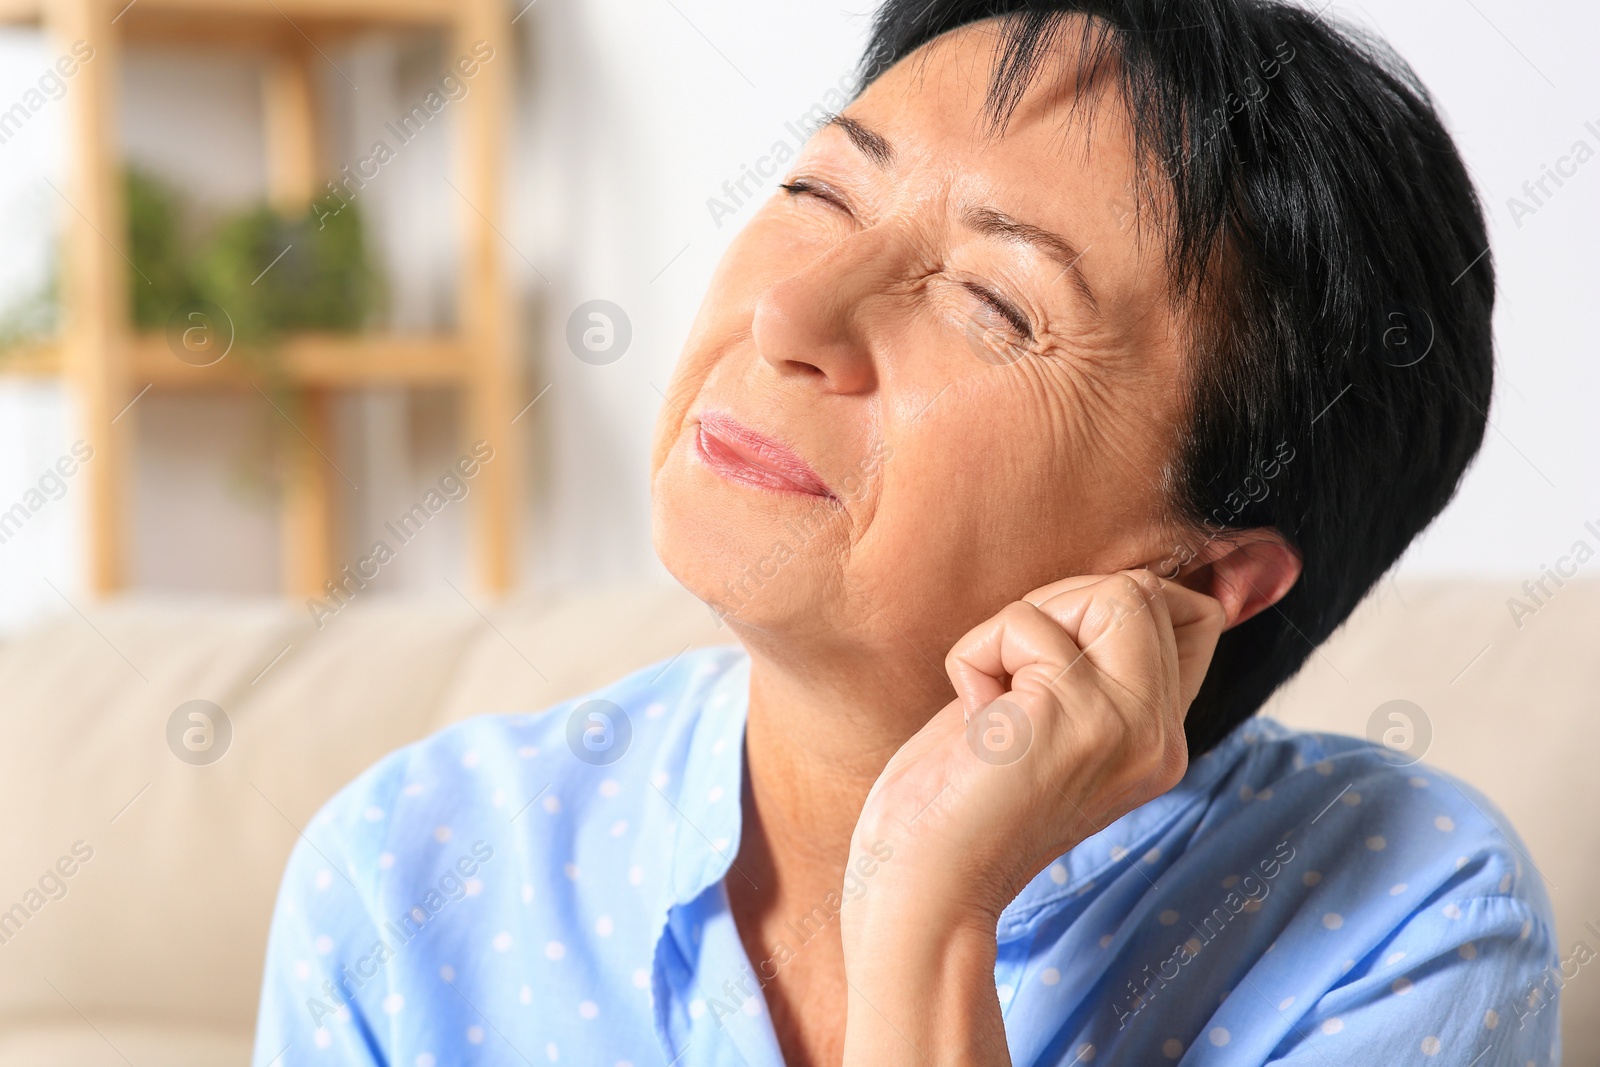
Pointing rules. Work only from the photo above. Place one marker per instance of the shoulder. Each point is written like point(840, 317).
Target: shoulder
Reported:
point(1355, 791)
point(1402, 900)
point(485, 781)
point(1381, 841)
point(475, 823)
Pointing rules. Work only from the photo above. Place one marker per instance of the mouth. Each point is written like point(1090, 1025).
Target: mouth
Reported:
point(742, 455)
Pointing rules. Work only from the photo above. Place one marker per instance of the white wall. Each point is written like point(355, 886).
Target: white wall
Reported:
point(1517, 84)
point(633, 115)
point(35, 427)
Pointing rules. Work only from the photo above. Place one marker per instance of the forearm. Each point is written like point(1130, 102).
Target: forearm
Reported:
point(922, 990)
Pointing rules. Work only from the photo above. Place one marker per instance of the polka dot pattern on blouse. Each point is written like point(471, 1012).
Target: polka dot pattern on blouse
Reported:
point(510, 892)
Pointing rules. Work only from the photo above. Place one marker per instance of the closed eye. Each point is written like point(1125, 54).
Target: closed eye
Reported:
point(808, 187)
point(1014, 317)
point(1004, 308)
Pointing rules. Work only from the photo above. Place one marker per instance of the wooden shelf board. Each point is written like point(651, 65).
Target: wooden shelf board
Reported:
point(106, 367)
point(42, 360)
point(318, 359)
point(305, 14)
point(20, 12)
point(325, 360)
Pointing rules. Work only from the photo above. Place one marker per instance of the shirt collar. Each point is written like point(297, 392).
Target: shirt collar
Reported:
point(703, 807)
point(1126, 841)
point(704, 815)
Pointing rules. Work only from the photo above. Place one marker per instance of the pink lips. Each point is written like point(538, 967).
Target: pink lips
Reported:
point(741, 454)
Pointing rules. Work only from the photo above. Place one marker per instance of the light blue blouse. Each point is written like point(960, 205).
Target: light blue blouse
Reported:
point(533, 889)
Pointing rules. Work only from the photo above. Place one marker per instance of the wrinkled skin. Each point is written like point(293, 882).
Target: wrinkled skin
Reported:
point(997, 443)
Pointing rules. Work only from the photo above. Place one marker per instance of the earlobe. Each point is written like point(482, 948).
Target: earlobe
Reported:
point(1247, 572)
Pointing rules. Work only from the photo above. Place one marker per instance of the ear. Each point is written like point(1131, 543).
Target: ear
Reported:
point(1247, 572)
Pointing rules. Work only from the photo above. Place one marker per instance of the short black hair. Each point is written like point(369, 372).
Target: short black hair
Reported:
point(1323, 232)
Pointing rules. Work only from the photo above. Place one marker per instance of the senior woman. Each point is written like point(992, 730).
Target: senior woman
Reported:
point(1078, 380)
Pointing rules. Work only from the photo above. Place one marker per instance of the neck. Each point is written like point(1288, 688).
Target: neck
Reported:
point(816, 740)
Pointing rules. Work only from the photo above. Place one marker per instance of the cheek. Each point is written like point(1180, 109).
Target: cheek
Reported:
point(688, 378)
point(1016, 478)
point(965, 500)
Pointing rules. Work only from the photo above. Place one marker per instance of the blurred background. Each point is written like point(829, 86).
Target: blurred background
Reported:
point(280, 281)
point(625, 135)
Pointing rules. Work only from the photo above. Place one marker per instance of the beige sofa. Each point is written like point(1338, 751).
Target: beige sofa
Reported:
point(149, 951)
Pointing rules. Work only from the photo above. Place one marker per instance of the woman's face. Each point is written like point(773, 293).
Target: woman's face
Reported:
point(935, 372)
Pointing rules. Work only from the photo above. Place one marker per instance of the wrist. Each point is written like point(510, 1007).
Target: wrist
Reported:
point(890, 943)
point(904, 914)
point(921, 988)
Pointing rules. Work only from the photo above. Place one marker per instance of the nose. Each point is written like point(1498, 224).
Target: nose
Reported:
point(809, 324)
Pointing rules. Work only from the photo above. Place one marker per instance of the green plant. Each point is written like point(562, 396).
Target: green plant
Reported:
point(30, 318)
point(275, 274)
point(163, 279)
point(270, 273)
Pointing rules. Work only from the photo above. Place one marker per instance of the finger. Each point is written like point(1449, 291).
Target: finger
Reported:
point(1160, 615)
point(1125, 627)
point(1197, 622)
point(1065, 585)
point(1115, 623)
point(1018, 639)
point(1186, 624)
point(1188, 607)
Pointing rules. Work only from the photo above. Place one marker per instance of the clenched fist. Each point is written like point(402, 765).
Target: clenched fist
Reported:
point(1070, 715)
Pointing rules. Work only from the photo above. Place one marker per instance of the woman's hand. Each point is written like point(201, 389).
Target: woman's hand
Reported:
point(1070, 715)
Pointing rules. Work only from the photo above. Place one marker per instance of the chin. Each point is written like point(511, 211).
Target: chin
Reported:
point(759, 560)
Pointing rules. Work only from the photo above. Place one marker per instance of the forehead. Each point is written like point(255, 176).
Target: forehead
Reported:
point(941, 91)
point(1063, 159)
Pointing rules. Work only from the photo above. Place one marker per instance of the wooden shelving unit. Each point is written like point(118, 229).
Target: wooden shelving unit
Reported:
point(108, 364)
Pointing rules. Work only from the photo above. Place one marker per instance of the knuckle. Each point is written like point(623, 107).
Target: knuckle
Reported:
point(1124, 587)
point(1141, 576)
point(1175, 763)
point(1150, 754)
point(1127, 597)
point(1018, 610)
point(1156, 754)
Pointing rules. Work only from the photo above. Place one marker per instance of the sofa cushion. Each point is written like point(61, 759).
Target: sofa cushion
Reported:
point(72, 1042)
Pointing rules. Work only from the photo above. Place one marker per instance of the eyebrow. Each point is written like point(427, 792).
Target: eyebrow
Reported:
point(992, 223)
point(872, 144)
point(987, 221)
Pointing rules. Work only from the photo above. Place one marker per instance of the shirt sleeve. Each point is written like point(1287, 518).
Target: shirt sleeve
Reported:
point(1460, 983)
point(326, 987)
